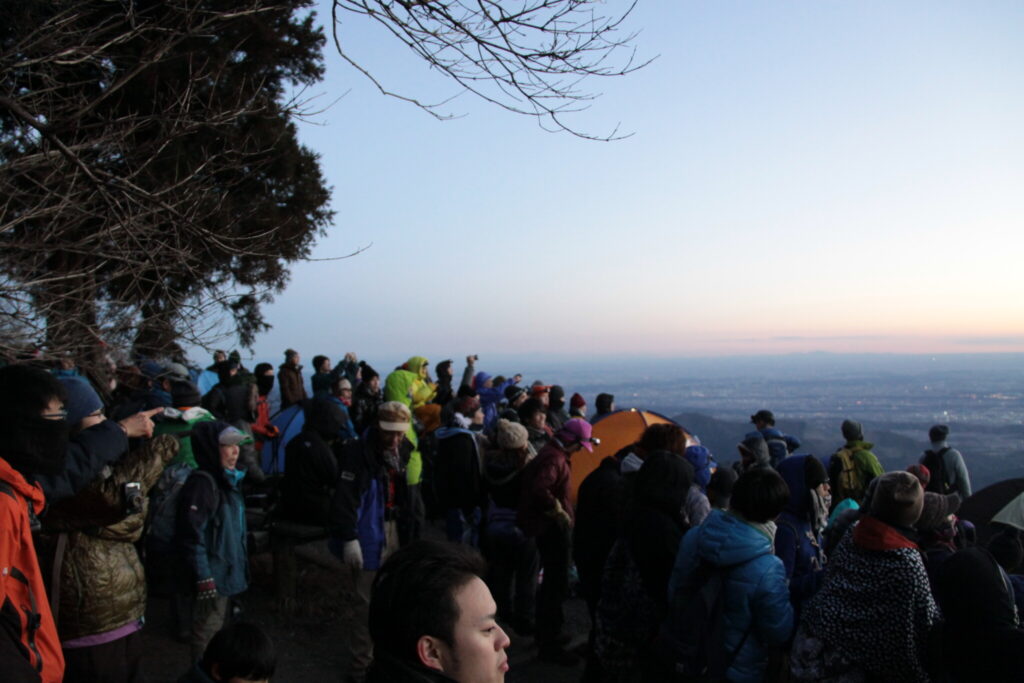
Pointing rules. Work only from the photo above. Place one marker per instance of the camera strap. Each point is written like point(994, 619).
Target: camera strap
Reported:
point(58, 564)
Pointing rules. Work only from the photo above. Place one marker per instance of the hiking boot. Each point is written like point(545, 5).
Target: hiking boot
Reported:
point(556, 654)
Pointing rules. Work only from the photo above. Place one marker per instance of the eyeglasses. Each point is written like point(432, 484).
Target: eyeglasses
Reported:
point(61, 414)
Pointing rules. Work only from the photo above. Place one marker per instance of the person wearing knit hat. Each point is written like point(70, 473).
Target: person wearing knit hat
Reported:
point(937, 530)
point(365, 398)
point(364, 516)
point(949, 473)
point(922, 473)
point(578, 406)
point(546, 514)
point(557, 416)
point(898, 500)
point(853, 466)
point(511, 436)
point(876, 576)
point(514, 396)
point(81, 400)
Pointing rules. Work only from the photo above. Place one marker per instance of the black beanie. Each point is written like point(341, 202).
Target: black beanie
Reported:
point(185, 394)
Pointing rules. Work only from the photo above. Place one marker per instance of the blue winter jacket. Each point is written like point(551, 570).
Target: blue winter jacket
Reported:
point(795, 542)
point(490, 396)
point(756, 596)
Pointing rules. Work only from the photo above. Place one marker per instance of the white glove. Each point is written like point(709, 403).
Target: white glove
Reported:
point(352, 554)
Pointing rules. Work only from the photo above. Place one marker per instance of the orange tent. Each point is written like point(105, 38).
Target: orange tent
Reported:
point(615, 430)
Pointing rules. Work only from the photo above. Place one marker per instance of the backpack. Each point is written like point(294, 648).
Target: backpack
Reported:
point(778, 449)
point(848, 478)
point(936, 464)
point(161, 525)
point(692, 639)
point(626, 617)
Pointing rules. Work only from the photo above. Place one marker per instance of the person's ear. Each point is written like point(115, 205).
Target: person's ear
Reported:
point(430, 652)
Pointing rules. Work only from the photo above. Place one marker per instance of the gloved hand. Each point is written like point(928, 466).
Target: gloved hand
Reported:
point(206, 597)
point(352, 554)
point(560, 516)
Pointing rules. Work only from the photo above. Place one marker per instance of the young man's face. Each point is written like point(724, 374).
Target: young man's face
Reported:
point(478, 651)
point(374, 384)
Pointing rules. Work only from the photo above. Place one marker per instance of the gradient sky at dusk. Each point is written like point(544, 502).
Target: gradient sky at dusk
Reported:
point(803, 176)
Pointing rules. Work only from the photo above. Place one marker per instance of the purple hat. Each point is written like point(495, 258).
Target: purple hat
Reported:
point(578, 431)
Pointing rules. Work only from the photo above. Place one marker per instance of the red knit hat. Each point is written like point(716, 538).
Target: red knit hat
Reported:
point(577, 401)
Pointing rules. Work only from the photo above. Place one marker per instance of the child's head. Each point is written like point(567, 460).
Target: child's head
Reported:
point(240, 653)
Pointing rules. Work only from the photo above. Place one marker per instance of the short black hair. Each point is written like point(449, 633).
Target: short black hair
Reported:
point(414, 595)
point(759, 495)
point(261, 369)
point(604, 402)
point(529, 408)
point(26, 391)
point(242, 650)
point(318, 361)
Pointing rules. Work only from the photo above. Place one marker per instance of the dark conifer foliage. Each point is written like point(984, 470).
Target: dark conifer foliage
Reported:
point(151, 180)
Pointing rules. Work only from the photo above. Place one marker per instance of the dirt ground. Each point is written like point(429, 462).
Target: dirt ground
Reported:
point(309, 639)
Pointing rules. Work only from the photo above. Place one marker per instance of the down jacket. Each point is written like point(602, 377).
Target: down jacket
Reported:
point(102, 582)
point(756, 595)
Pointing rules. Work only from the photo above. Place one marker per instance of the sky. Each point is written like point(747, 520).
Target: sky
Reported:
point(801, 176)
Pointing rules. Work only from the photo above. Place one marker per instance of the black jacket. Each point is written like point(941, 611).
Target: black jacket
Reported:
point(599, 514)
point(233, 402)
point(88, 453)
point(363, 410)
point(309, 479)
point(457, 476)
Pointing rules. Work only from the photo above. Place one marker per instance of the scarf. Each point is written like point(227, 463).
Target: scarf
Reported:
point(35, 445)
point(234, 477)
point(819, 511)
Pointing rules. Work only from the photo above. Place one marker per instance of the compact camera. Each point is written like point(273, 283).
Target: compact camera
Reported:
point(131, 495)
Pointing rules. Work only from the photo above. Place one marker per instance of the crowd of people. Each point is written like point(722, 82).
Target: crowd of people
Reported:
point(779, 566)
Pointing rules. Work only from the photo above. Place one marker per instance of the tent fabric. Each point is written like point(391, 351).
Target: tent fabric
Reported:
point(982, 507)
point(207, 380)
point(289, 422)
point(1012, 514)
point(615, 430)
